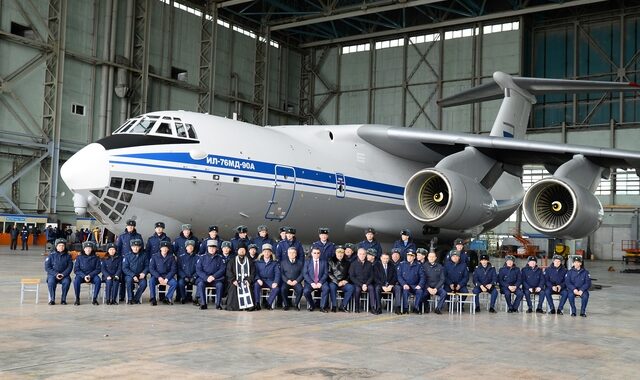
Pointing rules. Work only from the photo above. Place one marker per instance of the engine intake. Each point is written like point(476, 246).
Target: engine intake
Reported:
point(444, 198)
point(561, 208)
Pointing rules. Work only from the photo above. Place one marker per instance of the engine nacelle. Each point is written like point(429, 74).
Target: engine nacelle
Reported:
point(444, 198)
point(561, 208)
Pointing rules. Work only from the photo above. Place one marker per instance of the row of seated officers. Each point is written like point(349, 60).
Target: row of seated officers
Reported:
point(252, 267)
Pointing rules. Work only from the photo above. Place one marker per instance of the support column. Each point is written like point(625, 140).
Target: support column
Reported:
point(208, 35)
point(261, 77)
point(140, 80)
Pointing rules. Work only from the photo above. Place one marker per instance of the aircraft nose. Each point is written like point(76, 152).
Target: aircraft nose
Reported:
point(87, 169)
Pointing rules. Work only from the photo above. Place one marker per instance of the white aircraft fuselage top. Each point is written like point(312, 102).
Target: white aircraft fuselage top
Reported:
point(227, 177)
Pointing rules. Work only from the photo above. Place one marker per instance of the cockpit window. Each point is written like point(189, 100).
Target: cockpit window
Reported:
point(191, 131)
point(180, 129)
point(144, 126)
point(164, 128)
point(126, 125)
point(158, 125)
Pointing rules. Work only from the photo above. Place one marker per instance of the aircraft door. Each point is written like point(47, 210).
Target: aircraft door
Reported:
point(341, 186)
point(283, 191)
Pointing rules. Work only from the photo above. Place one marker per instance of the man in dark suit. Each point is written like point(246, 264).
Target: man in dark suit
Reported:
point(361, 275)
point(291, 272)
point(386, 280)
point(315, 278)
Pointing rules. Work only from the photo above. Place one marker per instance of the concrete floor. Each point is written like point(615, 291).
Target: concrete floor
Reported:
point(86, 341)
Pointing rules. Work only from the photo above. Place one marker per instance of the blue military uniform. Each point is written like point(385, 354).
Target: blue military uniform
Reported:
point(403, 246)
point(112, 267)
point(153, 243)
point(210, 265)
point(283, 247)
point(87, 265)
point(203, 242)
point(532, 278)
point(510, 277)
point(187, 275)
point(291, 271)
point(134, 264)
point(456, 274)
point(412, 275)
point(366, 244)
point(555, 276)
point(485, 276)
point(165, 267)
point(269, 273)
point(24, 236)
point(58, 263)
point(578, 280)
point(123, 246)
point(327, 249)
point(259, 241)
point(178, 244)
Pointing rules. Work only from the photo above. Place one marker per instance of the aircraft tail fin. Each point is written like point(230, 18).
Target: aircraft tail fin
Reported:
point(519, 96)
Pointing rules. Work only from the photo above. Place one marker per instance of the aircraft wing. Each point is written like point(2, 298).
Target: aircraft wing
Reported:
point(431, 146)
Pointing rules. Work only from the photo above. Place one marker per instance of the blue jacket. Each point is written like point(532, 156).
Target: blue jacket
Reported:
point(58, 262)
point(268, 271)
point(464, 257)
point(153, 243)
point(433, 274)
point(322, 271)
point(236, 241)
point(327, 250)
point(203, 244)
point(404, 248)
point(112, 266)
point(187, 265)
point(134, 264)
point(24, 234)
point(284, 245)
point(555, 276)
point(87, 265)
point(366, 244)
point(123, 242)
point(292, 271)
point(456, 274)
point(532, 277)
point(485, 275)
point(211, 265)
point(509, 277)
point(580, 280)
point(411, 274)
point(259, 241)
point(178, 244)
point(165, 267)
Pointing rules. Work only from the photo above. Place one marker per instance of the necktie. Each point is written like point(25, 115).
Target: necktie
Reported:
point(385, 270)
point(315, 271)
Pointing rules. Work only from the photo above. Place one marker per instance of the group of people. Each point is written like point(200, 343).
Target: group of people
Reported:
point(22, 233)
point(238, 270)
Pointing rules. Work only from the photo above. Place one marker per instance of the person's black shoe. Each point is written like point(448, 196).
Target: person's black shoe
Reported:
point(529, 310)
point(138, 302)
point(298, 308)
point(324, 310)
point(356, 310)
point(183, 301)
point(379, 311)
point(552, 311)
point(114, 303)
point(343, 309)
point(405, 312)
point(372, 311)
point(77, 302)
point(167, 302)
point(477, 309)
point(438, 311)
point(218, 307)
point(492, 310)
point(334, 309)
point(559, 312)
point(95, 302)
point(203, 307)
point(250, 309)
point(573, 314)
point(267, 307)
point(108, 302)
point(539, 311)
point(583, 315)
point(258, 308)
point(52, 302)
point(510, 310)
point(63, 302)
point(153, 302)
point(312, 308)
point(397, 311)
point(285, 308)
point(121, 299)
point(415, 311)
point(196, 303)
point(130, 302)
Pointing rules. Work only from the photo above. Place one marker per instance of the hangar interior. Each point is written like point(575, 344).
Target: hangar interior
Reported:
point(73, 70)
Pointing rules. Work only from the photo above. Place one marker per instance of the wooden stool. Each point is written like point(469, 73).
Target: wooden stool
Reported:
point(29, 285)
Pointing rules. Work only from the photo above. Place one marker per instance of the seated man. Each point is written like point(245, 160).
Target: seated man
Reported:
point(87, 270)
point(112, 273)
point(532, 283)
point(267, 276)
point(210, 269)
point(484, 280)
point(555, 284)
point(339, 279)
point(361, 275)
point(396, 259)
point(578, 282)
point(58, 266)
point(315, 278)
point(135, 267)
point(163, 269)
point(385, 279)
point(510, 281)
point(456, 274)
point(434, 281)
point(292, 272)
point(187, 275)
point(411, 279)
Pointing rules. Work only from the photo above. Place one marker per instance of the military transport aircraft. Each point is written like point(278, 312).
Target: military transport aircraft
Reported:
point(185, 167)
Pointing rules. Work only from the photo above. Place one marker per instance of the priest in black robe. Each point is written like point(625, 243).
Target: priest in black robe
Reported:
point(240, 269)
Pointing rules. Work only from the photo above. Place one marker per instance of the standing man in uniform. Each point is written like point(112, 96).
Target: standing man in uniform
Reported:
point(555, 284)
point(267, 276)
point(339, 279)
point(315, 278)
point(327, 248)
point(434, 281)
point(292, 273)
point(123, 246)
point(290, 241)
point(361, 275)
point(370, 241)
point(464, 256)
point(58, 266)
point(405, 243)
point(14, 237)
point(24, 236)
point(510, 281)
point(153, 243)
point(350, 252)
point(163, 269)
point(411, 279)
point(241, 238)
point(578, 283)
point(179, 246)
point(263, 238)
point(87, 270)
point(211, 270)
point(135, 266)
point(385, 279)
point(485, 279)
point(533, 283)
point(213, 235)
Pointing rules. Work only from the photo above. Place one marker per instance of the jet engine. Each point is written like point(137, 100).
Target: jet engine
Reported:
point(561, 208)
point(444, 198)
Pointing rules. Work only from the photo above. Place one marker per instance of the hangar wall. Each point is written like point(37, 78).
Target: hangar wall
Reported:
point(73, 70)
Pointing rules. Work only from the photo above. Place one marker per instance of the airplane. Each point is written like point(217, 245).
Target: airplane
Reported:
point(186, 167)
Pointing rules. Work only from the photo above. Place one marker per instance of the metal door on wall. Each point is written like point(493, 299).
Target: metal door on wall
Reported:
point(284, 188)
point(607, 241)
